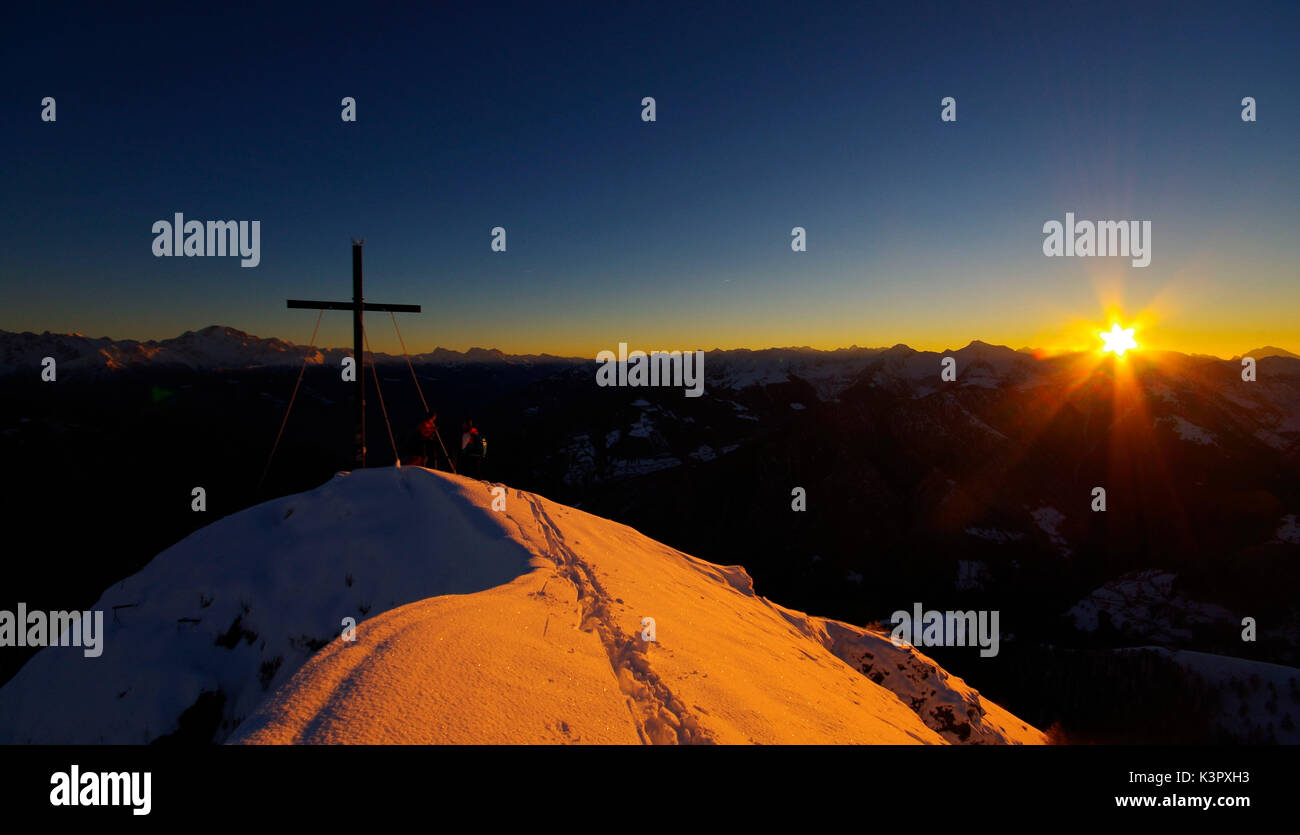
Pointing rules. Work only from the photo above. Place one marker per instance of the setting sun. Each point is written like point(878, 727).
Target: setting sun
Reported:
point(1117, 340)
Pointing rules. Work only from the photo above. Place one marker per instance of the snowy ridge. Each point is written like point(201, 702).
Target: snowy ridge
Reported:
point(943, 701)
point(474, 626)
point(1258, 699)
point(213, 348)
point(828, 372)
point(1147, 603)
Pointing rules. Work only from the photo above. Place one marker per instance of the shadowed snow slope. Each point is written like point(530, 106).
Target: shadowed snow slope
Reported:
point(519, 625)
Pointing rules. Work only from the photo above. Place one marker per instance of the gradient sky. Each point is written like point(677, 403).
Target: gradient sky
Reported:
point(668, 235)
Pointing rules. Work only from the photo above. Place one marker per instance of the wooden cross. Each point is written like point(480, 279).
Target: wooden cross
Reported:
point(357, 305)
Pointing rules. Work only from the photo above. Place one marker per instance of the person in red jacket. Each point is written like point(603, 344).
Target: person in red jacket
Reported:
point(427, 444)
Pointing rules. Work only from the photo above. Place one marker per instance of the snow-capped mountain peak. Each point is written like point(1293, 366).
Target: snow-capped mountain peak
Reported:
point(473, 624)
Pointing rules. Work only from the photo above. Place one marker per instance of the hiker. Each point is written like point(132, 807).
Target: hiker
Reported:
point(473, 448)
point(427, 443)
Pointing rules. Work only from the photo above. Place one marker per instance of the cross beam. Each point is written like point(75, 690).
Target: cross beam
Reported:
point(357, 305)
point(314, 305)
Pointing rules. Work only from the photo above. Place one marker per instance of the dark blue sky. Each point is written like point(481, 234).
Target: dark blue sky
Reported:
point(667, 235)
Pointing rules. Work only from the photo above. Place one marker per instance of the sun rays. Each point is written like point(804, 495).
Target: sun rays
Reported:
point(1117, 340)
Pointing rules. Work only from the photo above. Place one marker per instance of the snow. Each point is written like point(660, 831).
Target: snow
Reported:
point(1189, 431)
point(1147, 603)
point(757, 375)
point(1161, 391)
point(581, 454)
point(1257, 698)
point(213, 347)
point(643, 428)
point(276, 579)
point(976, 422)
point(1289, 530)
point(631, 467)
point(981, 376)
point(475, 626)
point(828, 372)
point(1272, 439)
point(1050, 519)
point(971, 574)
point(995, 535)
point(704, 453)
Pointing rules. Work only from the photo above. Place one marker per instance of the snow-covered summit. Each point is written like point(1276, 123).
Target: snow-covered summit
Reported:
point(473, 625)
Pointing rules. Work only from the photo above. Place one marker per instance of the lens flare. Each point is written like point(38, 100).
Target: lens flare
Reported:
point(1117, 340)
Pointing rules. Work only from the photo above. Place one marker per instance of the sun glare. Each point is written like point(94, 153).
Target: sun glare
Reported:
point(1117, 340)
